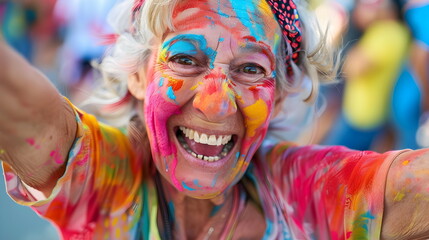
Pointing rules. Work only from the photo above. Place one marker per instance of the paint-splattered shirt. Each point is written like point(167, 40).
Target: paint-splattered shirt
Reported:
point(309, 192)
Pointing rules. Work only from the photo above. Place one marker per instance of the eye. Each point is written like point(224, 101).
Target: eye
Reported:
point(184, 60)
point(253, 69)
point(248, 72)
point(185, 65)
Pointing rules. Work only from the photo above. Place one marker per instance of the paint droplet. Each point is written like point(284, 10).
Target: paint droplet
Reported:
point(406, 162)
point(170, 93)
point(30, 141)
point(56, 156)
point(2, 151)
point(187, 187)
point(399, 196)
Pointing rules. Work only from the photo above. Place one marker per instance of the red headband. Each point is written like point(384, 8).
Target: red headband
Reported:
point(288, 19)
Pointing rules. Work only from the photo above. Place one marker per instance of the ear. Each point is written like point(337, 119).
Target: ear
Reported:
point(137, 84)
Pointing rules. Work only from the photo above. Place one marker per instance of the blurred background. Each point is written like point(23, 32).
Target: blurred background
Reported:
point(379, 103)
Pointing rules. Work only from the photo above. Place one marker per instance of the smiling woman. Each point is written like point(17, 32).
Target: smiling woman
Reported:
point(199, 82)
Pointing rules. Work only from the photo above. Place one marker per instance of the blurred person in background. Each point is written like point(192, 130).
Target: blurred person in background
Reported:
point(410, 102)
point(370, 71)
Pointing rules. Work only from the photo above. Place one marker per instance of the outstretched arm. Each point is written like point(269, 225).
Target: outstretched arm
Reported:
point(37, 126)
point(406, 214)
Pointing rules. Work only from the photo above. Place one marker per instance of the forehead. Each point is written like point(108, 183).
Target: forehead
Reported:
point(251, 17)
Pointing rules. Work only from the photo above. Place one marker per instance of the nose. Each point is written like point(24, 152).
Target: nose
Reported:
point(215, 97)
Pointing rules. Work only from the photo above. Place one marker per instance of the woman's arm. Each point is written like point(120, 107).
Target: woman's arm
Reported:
point(406, 214)
point(37, 126)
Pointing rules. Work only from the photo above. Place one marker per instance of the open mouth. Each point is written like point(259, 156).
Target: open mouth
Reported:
point(210, 148)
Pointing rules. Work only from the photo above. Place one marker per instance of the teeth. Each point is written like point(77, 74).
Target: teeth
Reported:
point(191, 134)
point(203, 138)
point(211, 140)
point(226, 139)
point(219, 141)
point(196, 137)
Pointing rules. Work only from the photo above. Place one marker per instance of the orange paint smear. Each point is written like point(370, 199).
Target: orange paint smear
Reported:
point(176, 84)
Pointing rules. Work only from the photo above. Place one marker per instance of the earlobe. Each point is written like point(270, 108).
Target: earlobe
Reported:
point(137, 85)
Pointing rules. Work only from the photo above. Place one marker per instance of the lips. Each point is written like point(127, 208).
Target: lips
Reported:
point(204, 146)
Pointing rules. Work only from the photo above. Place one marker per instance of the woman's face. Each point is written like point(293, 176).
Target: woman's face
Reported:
point(211, 92)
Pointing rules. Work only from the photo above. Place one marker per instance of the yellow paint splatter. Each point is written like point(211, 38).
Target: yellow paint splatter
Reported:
point(406, 162)
point(196, 85)
point(256, 114)
point(2, 151)
point(163, 55)
point(399, 196)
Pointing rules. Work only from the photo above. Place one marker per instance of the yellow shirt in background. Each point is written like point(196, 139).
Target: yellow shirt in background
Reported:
point(367, 95)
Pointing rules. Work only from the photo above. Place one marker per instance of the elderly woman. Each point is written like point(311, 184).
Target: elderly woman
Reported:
point(203, 79)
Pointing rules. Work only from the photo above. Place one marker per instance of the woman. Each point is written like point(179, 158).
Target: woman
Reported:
point(206, 78)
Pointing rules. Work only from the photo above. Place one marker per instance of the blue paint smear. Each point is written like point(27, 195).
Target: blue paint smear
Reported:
point(182, 47)
point(221, 39)
point(237, 155)
point(190, 39)
point(186, 187)
point(215, 209)
point(197, 184)
point(274, 74)
point(211, 20)
point(170, 93)
point(222, 14)
point(161, 82)
point(245, 10)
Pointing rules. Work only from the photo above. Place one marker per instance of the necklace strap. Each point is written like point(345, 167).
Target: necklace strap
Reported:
point(238, 205)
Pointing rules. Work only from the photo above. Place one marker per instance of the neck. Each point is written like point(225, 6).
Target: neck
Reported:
point(197, 218)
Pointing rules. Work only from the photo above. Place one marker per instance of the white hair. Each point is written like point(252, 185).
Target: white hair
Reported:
point(139, 32)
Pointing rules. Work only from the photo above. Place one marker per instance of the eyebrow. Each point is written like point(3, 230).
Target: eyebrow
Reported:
point(251, 45)
point(198, 41)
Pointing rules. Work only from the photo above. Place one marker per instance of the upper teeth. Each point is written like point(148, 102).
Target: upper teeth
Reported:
point(204, 138)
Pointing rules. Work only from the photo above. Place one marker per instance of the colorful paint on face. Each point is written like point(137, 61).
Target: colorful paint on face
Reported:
point(157, 111)
point(211, 92)
point(245, 12)
point(184, 44)
point(215, 96)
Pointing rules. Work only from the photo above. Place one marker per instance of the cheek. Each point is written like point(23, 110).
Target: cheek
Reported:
point(256, 106)
point(158, 110)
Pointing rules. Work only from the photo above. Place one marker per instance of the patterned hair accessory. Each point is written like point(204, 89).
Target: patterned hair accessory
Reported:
point(290, 24)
